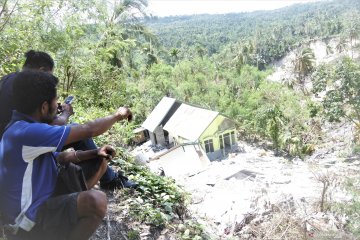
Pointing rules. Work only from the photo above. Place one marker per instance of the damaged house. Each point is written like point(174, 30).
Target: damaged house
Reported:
point(157, 119)
point(173, 123)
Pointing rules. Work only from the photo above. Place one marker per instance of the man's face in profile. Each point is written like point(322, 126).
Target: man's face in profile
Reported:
point(49, 115)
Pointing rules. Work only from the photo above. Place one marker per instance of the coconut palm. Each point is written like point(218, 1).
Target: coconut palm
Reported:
point(150, 55)
point(125, 11)
point(303, 64)
point(273, 120)
point(122, 23)
point(174, 53)
point(243, 55)
point(201, 51)
point(353, 34)
point(341, 46)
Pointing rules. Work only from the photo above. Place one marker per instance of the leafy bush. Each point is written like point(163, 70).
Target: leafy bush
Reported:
point(356, 149)
point(158, 200)
point(351, 208)
point(191, 230)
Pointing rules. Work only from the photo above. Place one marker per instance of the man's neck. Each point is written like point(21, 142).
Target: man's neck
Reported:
point(36, 116)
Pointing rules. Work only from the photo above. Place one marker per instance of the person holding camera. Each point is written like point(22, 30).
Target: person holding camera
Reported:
point(30, 155)
point(41, 61)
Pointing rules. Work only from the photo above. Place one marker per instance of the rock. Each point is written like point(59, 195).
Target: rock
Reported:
point(141, 159)
point(262, 153)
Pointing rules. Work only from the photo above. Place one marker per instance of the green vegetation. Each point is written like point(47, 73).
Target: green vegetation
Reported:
point(159, 202)
point(260, 37)
point(352, 207)
point(341, 83)
point(191, 230)
point(107, 57)
point(111, 54)
point(159, 199)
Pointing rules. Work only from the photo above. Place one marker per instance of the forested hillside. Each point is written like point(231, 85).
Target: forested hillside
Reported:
point(109, 54)
point(264, 35)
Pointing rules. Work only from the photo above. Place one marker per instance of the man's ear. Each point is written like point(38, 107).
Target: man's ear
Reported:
point(44, 69)
point(45, 108)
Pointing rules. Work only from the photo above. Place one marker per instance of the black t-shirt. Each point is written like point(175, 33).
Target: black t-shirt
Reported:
point(6, 103)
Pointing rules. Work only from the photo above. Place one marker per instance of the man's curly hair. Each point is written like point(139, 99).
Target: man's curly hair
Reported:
point(31, 89)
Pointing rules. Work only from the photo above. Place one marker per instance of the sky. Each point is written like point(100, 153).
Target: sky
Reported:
point(163, 8)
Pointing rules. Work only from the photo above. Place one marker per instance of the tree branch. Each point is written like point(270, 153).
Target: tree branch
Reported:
point(8, 17)
point(3, 8)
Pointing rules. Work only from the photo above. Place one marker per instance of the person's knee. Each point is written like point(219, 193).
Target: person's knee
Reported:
point(95, 202)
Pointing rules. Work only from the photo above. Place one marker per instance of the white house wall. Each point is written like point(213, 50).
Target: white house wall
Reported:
point(152, 138)
point(184, 160)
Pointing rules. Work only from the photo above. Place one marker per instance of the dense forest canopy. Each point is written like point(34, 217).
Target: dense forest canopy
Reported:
point(268, 35)
point(113, 54)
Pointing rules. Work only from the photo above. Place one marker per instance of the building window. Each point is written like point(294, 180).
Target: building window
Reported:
point(209, 146)
point(221, 142)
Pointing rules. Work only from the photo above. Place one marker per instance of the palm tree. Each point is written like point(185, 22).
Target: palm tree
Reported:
point(353, 28)
point(122, 24)
point(273, 120)
point(341, 46)
point(174, 53)
point(289, 82)
point(241, 58)
point(150, 55)
point(126, 11)
point(353, 34)
point(304, 64)
point(200, 51)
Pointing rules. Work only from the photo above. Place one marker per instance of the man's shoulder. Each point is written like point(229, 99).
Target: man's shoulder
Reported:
point(6, 82)
point(34, 134)
point(36, 126)
point(9, 77)
point(31, 129)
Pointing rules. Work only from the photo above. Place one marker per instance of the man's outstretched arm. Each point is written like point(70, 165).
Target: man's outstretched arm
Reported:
point(98, 126)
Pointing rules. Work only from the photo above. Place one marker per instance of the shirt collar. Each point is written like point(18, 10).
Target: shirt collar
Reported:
point(17, 116)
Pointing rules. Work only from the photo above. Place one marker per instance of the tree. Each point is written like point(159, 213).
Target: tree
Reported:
point(341, 45)
point(151, 57)
point(303, 64)
point(343, 98)
point(200, 50)
point(272, 119)
point(320, 78)
point(329, 49)
point(174, 53)
point(6, 12)
point(353, 28)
